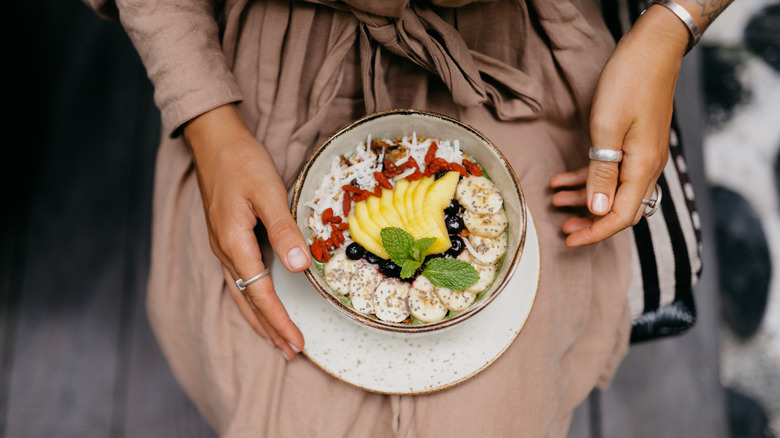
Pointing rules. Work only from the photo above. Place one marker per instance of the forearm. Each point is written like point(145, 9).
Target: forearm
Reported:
point(179, 45)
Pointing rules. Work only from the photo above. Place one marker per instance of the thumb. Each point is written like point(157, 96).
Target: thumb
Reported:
point(270, 205)
point(602, 180)
point(282, 231)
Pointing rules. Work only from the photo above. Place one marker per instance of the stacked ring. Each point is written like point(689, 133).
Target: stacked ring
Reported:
point(652, 204)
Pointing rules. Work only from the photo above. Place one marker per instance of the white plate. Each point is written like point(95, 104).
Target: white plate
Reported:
point(393, 364)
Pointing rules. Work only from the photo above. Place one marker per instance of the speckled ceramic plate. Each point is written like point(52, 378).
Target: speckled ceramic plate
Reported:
point(410, 364)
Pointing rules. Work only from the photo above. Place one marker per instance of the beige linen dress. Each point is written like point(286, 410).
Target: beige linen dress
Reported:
point(523, 73)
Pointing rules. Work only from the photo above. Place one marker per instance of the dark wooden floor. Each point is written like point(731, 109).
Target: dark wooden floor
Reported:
point(77, 356)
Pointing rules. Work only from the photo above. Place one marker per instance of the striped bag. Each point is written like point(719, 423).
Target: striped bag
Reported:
point(666, 256)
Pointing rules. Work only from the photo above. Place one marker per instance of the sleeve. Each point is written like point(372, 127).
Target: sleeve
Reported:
point(178, 41)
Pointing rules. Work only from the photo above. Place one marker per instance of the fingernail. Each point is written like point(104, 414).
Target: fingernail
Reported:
point(294, 348)
point(600, 203)
point(296, 258)
point(286, 356)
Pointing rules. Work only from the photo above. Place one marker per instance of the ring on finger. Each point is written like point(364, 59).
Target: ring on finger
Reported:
point(652, 204)
point(243, 284)
point(608, 155)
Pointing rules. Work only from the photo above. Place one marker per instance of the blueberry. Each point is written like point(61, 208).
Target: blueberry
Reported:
point(454, 224)
point(355, 251)
point(453, 208)
point(389, 269)
point(457, 246)
point(440, 174)
point(372, 258)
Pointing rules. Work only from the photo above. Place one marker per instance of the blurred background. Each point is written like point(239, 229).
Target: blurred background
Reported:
point(78, 359)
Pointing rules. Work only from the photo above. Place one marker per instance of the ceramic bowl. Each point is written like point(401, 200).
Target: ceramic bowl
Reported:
point(398, 123)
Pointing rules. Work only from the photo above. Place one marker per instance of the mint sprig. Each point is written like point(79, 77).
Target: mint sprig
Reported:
point(409, 254)
point(450, 273)
point(409, 268)
point(398, 243)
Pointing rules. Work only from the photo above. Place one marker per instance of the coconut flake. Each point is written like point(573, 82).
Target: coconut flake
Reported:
point(474, 252)
point(405, 173)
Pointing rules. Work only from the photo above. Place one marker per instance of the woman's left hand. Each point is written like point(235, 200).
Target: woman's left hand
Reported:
point(632, 111)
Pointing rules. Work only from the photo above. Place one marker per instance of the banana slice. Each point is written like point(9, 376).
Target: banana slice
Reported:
point(487, 273)
point(488, 250)
point(423, 302)
point(455, 300)
point(391, 300)
point(338, 271)
point(362, 286)
point(485, 225)
point(479, 194)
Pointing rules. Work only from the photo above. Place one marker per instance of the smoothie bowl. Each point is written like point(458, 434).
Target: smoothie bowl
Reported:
point(415, 221)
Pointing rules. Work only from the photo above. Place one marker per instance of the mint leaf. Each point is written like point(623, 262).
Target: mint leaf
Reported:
point(397, 243)
point(418, 249)
point(450, 273)
point(409, 268)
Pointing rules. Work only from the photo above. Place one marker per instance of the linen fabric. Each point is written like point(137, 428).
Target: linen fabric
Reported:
point(522, 73)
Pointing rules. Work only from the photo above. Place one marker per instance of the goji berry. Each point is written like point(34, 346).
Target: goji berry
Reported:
point(415, 176)
point(382, 180)
point(472, 167)
point(343, 226)
point(458, 168)
point(316, 250)
point(339, 236)
point(392, 174)
point(346, 203)
point(326, 215)
point(350, 188)
point(336, 220)
point(431, 154)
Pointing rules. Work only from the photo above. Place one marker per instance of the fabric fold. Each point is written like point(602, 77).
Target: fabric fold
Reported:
point(422, 36)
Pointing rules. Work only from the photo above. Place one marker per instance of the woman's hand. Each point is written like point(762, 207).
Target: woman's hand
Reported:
point(239, 184)
point(632, 110)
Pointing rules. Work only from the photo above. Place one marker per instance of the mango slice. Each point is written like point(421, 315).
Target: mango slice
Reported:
point(416, 206)
point(364, 239)
point(388, 210)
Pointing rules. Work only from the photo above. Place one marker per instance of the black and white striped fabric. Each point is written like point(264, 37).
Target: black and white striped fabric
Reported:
point(666, 256)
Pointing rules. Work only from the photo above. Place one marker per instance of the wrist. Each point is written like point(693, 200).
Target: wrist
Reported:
point(222, 125)
point(663, 29)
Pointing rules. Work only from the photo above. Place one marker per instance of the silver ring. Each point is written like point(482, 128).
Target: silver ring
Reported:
point(652, 204)
point(243, 284)
point(608, 155)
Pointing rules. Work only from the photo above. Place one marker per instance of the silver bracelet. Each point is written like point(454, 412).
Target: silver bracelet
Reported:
point(685, 17)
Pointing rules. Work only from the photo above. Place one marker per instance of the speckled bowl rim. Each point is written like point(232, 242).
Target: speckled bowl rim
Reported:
point(425, 327)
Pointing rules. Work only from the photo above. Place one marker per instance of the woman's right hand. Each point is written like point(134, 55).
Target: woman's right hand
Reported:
point(239, 184)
